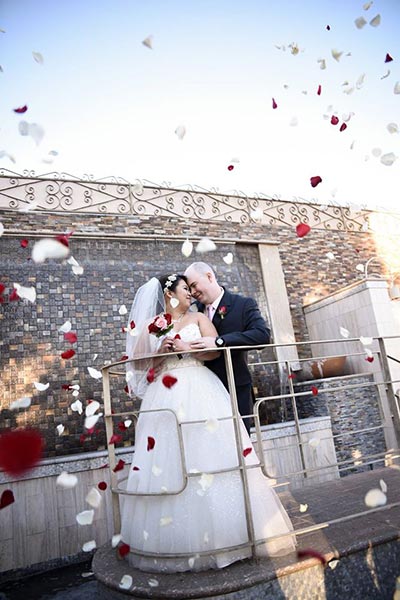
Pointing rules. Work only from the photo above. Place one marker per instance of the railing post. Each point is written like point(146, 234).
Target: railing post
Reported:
point(111, 449)
point(389, 390)
point(239, 447)
point(296, 419)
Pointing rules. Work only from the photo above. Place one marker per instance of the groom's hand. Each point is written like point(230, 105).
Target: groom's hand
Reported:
point(202, 343)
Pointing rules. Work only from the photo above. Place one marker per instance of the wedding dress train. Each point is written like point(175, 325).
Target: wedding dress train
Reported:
point(206, 513)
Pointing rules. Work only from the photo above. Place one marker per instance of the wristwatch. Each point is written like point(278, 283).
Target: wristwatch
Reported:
point(219, 342)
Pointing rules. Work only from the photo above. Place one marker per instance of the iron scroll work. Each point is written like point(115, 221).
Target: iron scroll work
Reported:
point(64, 193)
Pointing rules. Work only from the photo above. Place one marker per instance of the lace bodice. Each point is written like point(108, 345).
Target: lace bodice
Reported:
point(189, 333)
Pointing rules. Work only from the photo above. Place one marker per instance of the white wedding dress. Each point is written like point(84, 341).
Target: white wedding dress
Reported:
point(209, 512)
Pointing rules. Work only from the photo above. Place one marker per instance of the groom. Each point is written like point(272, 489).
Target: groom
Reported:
point(238, 322)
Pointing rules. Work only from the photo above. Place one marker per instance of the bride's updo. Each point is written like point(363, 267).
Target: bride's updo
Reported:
point(170, 282)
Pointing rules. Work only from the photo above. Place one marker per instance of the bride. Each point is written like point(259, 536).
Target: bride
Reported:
point(195, 514)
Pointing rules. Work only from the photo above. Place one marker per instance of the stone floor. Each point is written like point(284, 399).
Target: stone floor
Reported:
point(367, 547)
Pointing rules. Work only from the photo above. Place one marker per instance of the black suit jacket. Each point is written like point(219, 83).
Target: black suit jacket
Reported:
point(242, 325)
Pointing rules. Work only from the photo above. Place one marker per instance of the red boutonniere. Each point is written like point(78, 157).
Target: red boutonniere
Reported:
point(222, 311)
point(161, 325)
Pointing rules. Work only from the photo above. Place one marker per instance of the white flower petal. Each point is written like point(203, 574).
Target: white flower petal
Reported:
point(313, 442)
point(122, 309)
point(392, 128)
point(77, 270)
point(191, 561)
point(228, 259)
point(36, 132)
point(40, 386)
point(164, 521)
point(376, 152)
point(60, 429)
point(174, 302)
point(368, 5)
point(76, 386)
point(187, 248)
point(75, 393)
point(360, 81)
point(148, 42)
point(386, 74)
point(360, 267)
point(21, 403)
point(344, 332)
point(293, 122)
point(322, 63)
point(85, 517)
point(67, 480)
point(330, 255)
point(91, 421)
point(66, 327)
point(48, 248)
point(333, 563)
point(38, 57)
point(29, 293)
point(375, 21)
point(180, 132)
point(374, 498)
point(23, 128)
point(388, 159)
point(95, 373)
point(77, 406)
point(127, 423)
point(126, 580)
point(303, 507)
point(94, 498)
point(71, 261)
point(88, 546)
point(94, 357)
point(205, 481)
point(366, 341)
point(336, 54)
point(91, 408)
point(256, 214)
point(205, 245)
point(153, 582)
point(115, 540)
point(360, 22)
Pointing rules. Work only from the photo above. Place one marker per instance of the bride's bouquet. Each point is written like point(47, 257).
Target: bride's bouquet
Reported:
point(161, 325)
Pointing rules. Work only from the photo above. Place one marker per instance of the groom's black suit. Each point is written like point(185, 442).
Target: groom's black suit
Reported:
point(241, 325)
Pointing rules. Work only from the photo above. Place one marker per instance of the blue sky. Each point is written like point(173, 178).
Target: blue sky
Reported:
point(110, 106)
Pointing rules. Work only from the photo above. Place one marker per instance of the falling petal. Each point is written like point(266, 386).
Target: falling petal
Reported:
point(89, 546)
point(70, 337)
point(315, 181)
point(319, 90)
point(187, 248)
point(94, 498)
point(386, 74)
point(66, 327)
point(230, 167)
point(247, 451)
point(228, 259)
point(343, 127)
point(376, 152)
point(392, 128)
point(344, 332)
point(374, 498)
point(303, 508)
point(386, 159)
point(151, 442)
point(294, 49)
point(369, 359)
point(274, 104)
point(38, 57)
point(91, 408)
point(366, 341)
point(360, 267)
point(7, 498)
point(122, 310)
point(153, 582)
point(77, 407)
point(313, 442)
point(205, 245)
point(85, 517)
point(388, 58)
point(322, 63)
point(336, 54)
point(67, 480)
point(180, 132)
point(330, 255)
point(126, 582)
point(21, 403)
point(396, 89)
point(94, 373)
point(91, 421)
point(293, 123)
point(123, 549)
point(334, 120)
point(20, 451)
point(302, 229)
point(206, 481)
point(60, 429)
point(127, 423)
point(165, 521)
point(48, 248)
point(148, 42)
point(68, 354)
point(375, 21)
point(41, 387)
point(115, 540)
point(360, 22)
point(25, 292)
point(77, 270)
point(360, 81)
point(24, 243)
point(22, 109)
point(333, 563)
point(368, 5)
point(314, 390)
point(150, 375)
point(119, 466)
point(169, 381)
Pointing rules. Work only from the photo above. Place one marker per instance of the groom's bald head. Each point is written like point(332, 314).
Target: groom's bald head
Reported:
point(203, 283)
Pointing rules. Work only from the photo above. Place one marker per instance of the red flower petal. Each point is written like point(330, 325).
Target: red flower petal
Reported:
point(115, 438)
point(315, 180)
point(20, 451)
point(302, 229)
point(292, 376)
point(230, 167)
point(70, 337)
point(169, 381)
point(126, 389)
point(66, 386)
point(343, 127)
point(314, 390)
point(121, 426)
point(6, 499)
point(151, 442)
point(328, 27)
point(309, 552)
point(13, 295)
point(247, 451)
point(102, 485)
point(119, 466)
point(123, 549)
point(150, 375)
point(124, 357)
point(135, 469)
point(388, 58)
point(68, 354)
point(319, 90)
point(334, 120)
point(24, 243)
point(64, 238)
point(132, 325)
point(2, 288)
point(370, 358)
point(21, 110)
point(177, 337)
point(274, 104)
